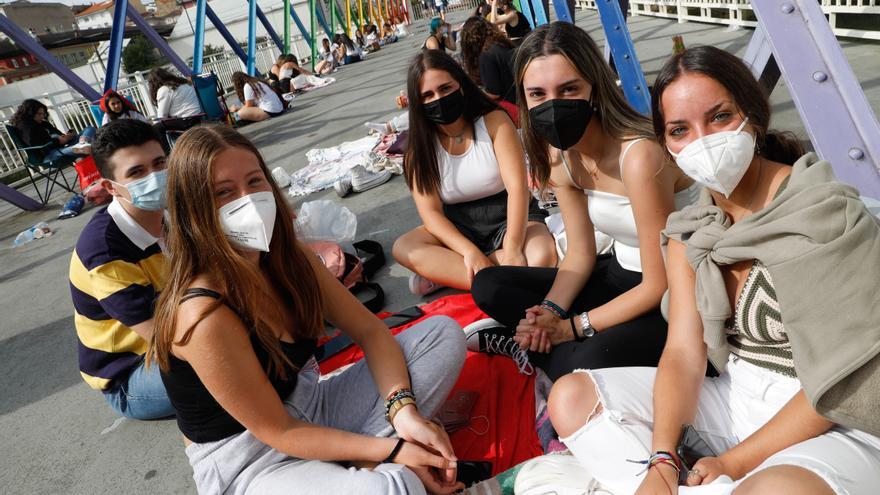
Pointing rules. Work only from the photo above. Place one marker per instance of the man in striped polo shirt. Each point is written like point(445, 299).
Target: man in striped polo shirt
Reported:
point(117, 270)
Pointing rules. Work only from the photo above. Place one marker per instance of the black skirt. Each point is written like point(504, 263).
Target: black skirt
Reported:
point(484, 221)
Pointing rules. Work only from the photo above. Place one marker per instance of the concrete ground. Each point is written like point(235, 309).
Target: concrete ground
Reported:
point(58, 436)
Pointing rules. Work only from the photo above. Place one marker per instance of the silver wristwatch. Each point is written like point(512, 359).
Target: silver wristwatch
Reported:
point(587, 329)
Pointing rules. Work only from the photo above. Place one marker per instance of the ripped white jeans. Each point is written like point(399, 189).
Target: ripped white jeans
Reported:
point(731, 407)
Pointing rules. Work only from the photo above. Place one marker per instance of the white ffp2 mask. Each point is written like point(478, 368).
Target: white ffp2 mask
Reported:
point(248, 221)
point(718, 161)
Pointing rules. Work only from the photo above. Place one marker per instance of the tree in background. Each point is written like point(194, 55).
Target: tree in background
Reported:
point(139, 55)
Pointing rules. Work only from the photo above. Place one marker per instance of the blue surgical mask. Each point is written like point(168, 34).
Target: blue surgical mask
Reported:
point(148, 193)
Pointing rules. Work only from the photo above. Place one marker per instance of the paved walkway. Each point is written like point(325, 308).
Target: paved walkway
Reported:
point(58, 436)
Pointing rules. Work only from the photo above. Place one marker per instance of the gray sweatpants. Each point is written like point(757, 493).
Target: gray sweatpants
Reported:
point(434, 351)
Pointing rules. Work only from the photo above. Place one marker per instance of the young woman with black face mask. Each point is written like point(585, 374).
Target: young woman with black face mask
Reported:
point(466, 168)
point(609, 174)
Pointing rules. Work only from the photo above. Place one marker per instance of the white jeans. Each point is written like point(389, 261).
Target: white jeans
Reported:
point(731, 407)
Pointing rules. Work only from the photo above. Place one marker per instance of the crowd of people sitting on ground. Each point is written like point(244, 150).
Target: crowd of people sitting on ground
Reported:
point(727, 339)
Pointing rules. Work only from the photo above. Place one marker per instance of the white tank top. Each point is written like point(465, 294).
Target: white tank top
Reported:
point(472, 175)
point(612, 214)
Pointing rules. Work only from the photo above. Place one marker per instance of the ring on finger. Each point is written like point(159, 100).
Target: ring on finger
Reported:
point(694, 472)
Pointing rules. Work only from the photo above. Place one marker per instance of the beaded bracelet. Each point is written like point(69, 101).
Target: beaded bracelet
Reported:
point(396, 401)
point(554, 308)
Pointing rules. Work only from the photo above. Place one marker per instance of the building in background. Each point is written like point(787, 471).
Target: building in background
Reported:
point(39, 18)
point(100, 15)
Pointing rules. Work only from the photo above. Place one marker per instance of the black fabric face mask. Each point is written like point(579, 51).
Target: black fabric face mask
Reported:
point(445, 110)
point(561, 122)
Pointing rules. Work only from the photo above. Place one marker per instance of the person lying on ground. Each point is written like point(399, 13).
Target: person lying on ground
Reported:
point(115, 106)
point(466, 169)
point(117, 270)
point(772, 277)
point(439, 37)
point(235, 343)
point(259, 100)
point(608, 173)
point(504, 14)
point(31, 119)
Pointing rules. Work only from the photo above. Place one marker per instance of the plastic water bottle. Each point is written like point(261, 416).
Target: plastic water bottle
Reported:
point(23, 238)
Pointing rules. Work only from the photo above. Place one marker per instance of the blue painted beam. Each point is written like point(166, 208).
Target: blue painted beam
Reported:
point(269, 29)
point(628, 68)
point(117, 39)
point(251, 63)
point(301, 27)
point(540, 13)
point(562, 12)
point(158, 41)
point(230, 40)
point(199, 36)
point(31, 46)
point(526, 6)
point(321, 19)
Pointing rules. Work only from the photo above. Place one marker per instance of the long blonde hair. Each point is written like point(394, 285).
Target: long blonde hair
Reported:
point(619, 120)
point(196, 245)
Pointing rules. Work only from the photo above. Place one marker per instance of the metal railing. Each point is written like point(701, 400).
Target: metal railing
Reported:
point(421, 11)
point(69, 111)
point(841, 13)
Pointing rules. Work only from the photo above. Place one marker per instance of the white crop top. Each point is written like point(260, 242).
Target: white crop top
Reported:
point(472, 175)
point(612, 214)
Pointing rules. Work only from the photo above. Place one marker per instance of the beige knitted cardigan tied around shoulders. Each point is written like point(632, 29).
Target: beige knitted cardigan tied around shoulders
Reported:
point(822, 248)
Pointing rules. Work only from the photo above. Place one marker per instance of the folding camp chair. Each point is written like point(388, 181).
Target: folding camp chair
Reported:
point(211, 97)
point(42, 167)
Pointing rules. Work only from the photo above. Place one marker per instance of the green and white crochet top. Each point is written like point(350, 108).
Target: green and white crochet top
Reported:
point(755, 331)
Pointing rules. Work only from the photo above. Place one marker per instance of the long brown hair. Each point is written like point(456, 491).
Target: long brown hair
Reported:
point(420, 167)
point(239, 79)
point(196, 245)
point(163, 77)
point(619, 120)
point(477, 36)
point(748, 94)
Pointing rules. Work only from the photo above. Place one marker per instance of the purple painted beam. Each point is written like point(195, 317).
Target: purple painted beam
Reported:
point(31, 46)
point(831, 103)
point(158, 41)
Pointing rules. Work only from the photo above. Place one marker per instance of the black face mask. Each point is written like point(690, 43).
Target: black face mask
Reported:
point(445, 110)
point(561, 122)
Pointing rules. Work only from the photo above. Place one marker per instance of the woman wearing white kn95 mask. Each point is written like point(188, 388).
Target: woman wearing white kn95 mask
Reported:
point(236, 331)
point(773, 278)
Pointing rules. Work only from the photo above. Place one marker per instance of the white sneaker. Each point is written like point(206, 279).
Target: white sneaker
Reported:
point(421, 286)
point(556, 474)
point(363, 180)
point(82, 148)
point(491, 337)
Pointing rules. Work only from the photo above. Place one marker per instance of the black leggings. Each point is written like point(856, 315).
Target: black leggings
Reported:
point(505, 292)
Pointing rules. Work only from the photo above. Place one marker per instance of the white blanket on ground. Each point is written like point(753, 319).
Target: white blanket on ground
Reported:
point(327, 165)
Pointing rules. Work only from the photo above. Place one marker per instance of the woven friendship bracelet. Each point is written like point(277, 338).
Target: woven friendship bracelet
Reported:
point(554, 308)
point(656, 458)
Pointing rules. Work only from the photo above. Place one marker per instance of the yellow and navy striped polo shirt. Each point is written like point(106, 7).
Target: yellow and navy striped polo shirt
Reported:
point(114, 284)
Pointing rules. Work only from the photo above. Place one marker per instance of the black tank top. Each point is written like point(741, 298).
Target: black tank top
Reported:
point(522, 27)
point(200, 417)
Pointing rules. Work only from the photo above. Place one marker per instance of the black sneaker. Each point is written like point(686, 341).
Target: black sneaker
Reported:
point(491, 337)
